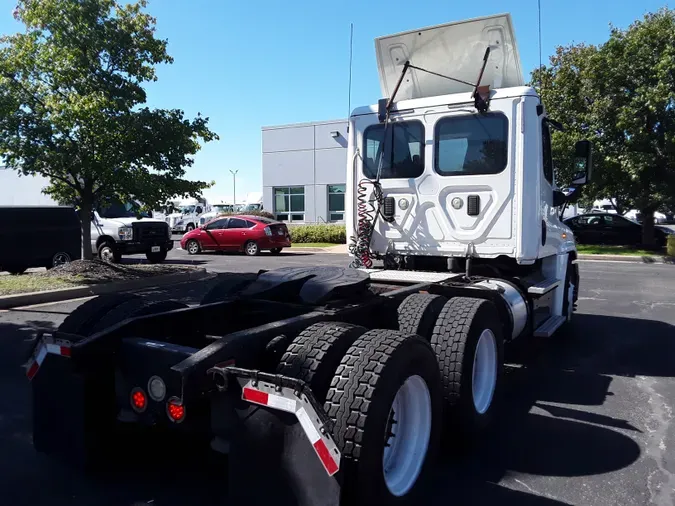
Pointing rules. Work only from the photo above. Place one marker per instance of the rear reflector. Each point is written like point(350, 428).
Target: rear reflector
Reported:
point(46, 344)
point(300, 408)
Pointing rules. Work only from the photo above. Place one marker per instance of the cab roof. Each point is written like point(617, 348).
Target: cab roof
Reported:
point(454, 50)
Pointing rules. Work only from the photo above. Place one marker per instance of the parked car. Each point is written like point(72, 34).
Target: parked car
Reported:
point(605, 228)
point(250, 234)
point(45, 236)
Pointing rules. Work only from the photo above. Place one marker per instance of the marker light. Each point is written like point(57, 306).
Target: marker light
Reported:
point(138, 400)
point(175, 410)
point(156, 388)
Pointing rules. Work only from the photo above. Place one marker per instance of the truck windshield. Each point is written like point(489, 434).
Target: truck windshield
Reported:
point(187, 210)
point(471, 144)
point(222, 208)
point(121, 210)
point(401, 153)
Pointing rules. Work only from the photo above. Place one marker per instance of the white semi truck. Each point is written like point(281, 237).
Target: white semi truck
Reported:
point(334, 386)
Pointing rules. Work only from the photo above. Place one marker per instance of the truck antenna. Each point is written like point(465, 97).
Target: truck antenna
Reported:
point(541, 81)
point(349, 91)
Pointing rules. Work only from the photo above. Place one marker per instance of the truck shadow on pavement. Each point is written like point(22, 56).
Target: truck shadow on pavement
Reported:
point(548, 427)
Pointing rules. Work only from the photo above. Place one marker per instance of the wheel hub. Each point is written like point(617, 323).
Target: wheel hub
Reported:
point(406, 436)
point(484, 376)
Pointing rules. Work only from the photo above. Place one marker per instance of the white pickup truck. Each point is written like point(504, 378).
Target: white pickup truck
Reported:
point(121, 229)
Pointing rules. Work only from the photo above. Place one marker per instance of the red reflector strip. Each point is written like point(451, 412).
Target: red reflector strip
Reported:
point(44, 347)
point(256, 396)
point(32, 370)
point(325, 457)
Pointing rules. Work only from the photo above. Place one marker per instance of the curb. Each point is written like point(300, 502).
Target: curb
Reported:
point(338, 249)
point(630, 258)
point(29, 299)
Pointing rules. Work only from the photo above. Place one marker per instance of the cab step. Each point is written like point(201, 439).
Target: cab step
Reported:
point(547, 328)
point(544, 286)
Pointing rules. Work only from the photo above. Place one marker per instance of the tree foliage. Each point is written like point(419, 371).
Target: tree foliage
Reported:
point(72, 106)
point(620, 95)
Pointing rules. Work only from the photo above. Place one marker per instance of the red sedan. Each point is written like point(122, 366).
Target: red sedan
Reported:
point(249, 234)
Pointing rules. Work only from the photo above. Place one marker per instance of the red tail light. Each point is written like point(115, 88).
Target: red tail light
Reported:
point(139, 401)
point(175, 410)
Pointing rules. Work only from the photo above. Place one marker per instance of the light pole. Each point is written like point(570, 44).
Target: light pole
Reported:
point(234, 187)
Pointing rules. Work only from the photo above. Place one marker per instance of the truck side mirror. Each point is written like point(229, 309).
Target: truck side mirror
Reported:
point(583, 162)
point(559, 198)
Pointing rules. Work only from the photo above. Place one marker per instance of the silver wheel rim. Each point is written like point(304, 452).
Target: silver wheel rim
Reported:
point(107, 254)
point(484, 377)
point(252, 248)
point(60, 259)
point(407, 436)
point(193, 248)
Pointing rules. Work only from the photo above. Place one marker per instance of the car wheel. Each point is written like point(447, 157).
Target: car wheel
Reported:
point(190, 227)
point(156, 258)
point(60, 258)
point(251, 248)
point(108, 253)
point(193, 247)
point(276, 251)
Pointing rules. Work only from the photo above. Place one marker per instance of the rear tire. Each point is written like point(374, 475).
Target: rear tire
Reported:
point(387, 384)
point(315, 354)
point(471, 380)
point(251, 248)
point(276, 251)
point(417, 314)
point(60, 258)
point(16, 270)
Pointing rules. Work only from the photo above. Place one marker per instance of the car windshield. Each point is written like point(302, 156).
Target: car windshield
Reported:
point(120, 210)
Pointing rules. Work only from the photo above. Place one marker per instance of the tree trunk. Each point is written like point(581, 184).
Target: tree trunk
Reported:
point(648, 228)
point(85, 219)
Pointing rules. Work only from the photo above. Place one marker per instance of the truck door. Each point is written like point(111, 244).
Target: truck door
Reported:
point(548, 212)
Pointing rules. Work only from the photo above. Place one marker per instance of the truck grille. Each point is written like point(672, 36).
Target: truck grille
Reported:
point(150, 231)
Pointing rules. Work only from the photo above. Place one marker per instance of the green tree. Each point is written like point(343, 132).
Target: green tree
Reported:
point(620, 95)
point(72, 106)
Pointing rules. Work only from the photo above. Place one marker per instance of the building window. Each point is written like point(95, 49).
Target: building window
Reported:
point(289, 203)
point(336, 202)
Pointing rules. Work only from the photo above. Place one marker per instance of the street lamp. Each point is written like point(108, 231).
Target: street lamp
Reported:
point(234, 187)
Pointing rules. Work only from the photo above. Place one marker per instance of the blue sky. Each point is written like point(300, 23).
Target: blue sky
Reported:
point(253, 63)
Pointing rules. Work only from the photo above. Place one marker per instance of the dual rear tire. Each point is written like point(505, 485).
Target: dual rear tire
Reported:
point(382, 390)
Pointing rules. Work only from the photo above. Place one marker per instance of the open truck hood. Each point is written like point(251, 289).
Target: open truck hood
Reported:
point(455, 50)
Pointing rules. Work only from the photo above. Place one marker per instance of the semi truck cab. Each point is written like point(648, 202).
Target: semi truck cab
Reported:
point(453, 171)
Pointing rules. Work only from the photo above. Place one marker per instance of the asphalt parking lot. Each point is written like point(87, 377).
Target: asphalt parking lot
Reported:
point(585, 420)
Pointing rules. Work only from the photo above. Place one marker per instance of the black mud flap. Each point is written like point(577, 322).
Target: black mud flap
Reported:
point(272, 458)
point(272, 462)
